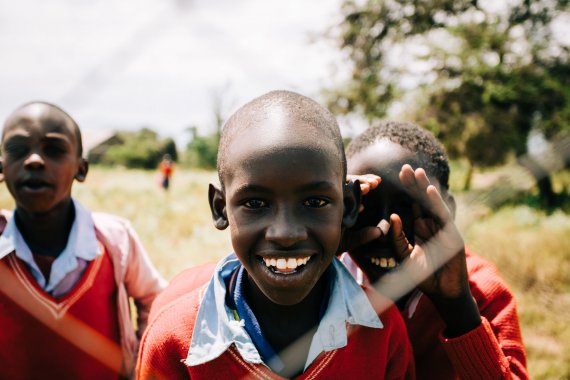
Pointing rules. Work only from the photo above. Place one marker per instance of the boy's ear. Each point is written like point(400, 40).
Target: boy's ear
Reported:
point(217, 201)
point(1, 170)
point(352, 198)
point(82, 170)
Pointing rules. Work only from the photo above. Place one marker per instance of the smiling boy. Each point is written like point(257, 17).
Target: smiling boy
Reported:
point(461, 317)
point(282, 305)
point(66, 273)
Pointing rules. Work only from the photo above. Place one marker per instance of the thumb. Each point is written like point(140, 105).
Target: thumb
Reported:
point(401, 244)
point(352, 239)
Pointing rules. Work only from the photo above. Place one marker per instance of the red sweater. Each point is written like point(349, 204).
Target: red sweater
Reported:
point(76, 336)
point(492, 351)
point(184, 282)
point(370, 353)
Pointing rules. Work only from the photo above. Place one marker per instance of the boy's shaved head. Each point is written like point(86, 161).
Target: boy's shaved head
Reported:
point(47, 112)
point(275, 104)
point(411, 136)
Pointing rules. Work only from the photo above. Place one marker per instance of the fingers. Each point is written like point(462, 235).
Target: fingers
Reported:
point(418, 186)
point(402, 246)
point(355, 238)
point(367, 181)
point(384, 227)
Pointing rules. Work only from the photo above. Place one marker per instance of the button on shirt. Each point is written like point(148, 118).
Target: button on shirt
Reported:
point(82, 247)
point(216, 327)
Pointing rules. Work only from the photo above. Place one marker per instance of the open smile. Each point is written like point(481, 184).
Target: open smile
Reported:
point(285, 265)
point(384, 262)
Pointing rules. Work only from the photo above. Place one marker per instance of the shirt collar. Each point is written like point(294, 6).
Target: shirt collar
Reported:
point(216, 327)
point(81, 243)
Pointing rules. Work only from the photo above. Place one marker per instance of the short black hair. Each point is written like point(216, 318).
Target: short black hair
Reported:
point(76, 128)
point(413, 137)
point(298, 106)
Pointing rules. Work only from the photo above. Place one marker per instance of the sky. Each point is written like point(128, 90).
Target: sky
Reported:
point(163, 64)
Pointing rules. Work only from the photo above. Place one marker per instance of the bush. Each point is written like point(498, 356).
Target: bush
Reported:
point(142, 149)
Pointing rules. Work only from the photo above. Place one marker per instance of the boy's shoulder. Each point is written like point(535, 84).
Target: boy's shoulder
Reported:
point(483, 273)
point(182, 284)
point(112, 228)
point(173, 324)
point(5, 215)
point(107, 220)
point(177, 317)
point(166, 340)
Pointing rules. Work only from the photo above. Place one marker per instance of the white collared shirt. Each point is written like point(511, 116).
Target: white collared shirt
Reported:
point(82, 247)
point(216, 328)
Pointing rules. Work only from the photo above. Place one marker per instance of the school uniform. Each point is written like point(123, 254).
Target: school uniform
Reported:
point(77, 322)
point(208, 333)
point(494, 350)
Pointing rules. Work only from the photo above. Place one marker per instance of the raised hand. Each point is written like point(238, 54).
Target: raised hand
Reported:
point(355, 238)
point(436, 262)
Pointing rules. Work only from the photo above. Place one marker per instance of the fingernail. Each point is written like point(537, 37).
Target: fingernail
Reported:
point(384, 226)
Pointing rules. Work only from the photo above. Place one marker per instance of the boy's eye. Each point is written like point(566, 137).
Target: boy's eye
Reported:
point(315, 202)
point(16, 150)
point(55, 150)
point(255, 203)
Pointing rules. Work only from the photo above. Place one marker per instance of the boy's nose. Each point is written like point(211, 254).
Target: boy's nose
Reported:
point(286, 230)
point(34, 160)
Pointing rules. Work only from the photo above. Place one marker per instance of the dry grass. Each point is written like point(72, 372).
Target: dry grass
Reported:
point(531, 249)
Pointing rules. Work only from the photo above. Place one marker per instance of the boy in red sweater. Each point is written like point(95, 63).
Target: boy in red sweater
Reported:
point(282, 305)
point(461, 317)
point(66, 274)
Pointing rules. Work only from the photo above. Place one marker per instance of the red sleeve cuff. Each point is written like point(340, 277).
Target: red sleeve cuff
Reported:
point(477, 354)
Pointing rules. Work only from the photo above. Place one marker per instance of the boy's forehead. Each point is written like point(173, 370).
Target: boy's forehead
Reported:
point(280, 150)
point(386, 158)
point(381, 154)
point(39, 115)
point(278, 134)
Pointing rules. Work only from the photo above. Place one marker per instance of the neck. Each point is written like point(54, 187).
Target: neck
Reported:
point(46, 233)
point(285, 325)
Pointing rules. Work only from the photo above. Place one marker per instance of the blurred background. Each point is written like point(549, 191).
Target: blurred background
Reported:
point(491, 79)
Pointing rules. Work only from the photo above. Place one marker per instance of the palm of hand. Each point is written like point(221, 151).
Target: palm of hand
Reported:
point(436, 263)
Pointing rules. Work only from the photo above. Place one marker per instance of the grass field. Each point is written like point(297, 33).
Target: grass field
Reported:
point(531, 248)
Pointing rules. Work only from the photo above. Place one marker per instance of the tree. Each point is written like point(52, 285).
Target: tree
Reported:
point(140, 149)
point(490, 75)
point(203, 150)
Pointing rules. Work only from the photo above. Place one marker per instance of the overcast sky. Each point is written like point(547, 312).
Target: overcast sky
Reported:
point(160, 63)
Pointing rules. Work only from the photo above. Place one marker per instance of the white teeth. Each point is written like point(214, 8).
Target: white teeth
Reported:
point(384, 262)
point(286, 263)
point(281, 264)
point(291, 263)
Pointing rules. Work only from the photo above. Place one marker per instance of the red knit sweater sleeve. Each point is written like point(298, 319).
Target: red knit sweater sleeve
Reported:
point(495, 349)
point(166, 340)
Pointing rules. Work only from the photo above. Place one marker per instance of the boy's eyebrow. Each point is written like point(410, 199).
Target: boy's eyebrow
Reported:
point(313, 186)
point(319, 185)
point(57, 136)
point(248, 187)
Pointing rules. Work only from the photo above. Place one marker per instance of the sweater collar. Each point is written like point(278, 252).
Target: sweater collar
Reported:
point(216, 327)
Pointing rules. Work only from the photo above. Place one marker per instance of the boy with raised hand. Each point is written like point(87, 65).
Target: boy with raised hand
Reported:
point(283, 195)
point(461, 316)
point(66, 274)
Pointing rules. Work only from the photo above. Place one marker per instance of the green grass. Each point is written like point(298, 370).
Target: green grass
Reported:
point(531, 248)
